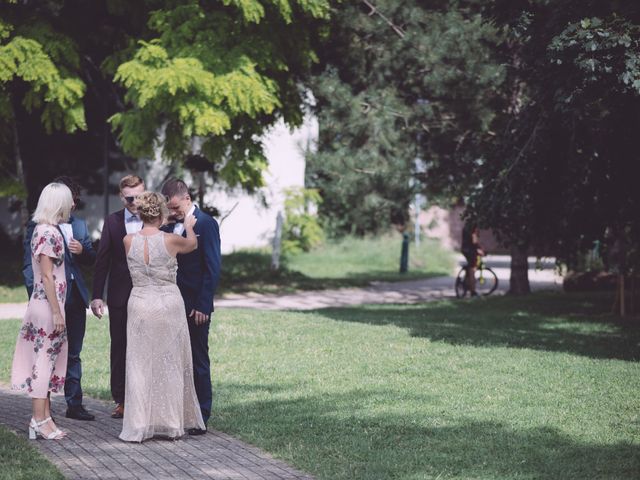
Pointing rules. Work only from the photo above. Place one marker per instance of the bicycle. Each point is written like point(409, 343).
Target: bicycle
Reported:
point(486, 280)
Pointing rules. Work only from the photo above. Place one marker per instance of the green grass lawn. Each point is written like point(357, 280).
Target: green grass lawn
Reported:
point(13, 294)
point(11, 284)
point(349, 262)
point(543, 387)
point(345, 263)
point(20, 461)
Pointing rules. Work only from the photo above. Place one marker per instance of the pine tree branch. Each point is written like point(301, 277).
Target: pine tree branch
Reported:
point(367, 107)
point(374, 11)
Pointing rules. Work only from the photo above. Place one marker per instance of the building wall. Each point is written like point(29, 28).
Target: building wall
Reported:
point(251, 224)
point(446, 225)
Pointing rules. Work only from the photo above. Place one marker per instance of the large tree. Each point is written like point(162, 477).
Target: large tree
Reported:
point(405, 104)
point(561, 175)
point(185, 76)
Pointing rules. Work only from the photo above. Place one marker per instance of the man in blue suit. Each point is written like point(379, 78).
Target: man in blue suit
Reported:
point(78, 249)
point(198, 277)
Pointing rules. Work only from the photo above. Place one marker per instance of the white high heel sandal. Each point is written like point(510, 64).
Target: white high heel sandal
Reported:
point(34, 430)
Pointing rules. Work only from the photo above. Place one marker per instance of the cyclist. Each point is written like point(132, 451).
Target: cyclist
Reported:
point(471, 250)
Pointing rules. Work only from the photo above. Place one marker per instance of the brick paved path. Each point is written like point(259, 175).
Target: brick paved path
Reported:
point(93, 451)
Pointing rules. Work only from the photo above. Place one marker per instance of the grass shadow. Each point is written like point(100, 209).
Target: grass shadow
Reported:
point(247, 271)
point(548, 321)
point(329, 434)
point(250, 271)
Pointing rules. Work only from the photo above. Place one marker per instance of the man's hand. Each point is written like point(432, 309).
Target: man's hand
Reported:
point(97, 307)
point(75, 246)
point(198, 317)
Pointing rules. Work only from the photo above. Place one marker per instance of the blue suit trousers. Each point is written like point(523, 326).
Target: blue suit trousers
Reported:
point(199, 335)
point(76, 320)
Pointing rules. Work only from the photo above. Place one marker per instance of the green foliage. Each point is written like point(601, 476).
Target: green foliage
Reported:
point(221, 76)
point(38, 73)
point(301, 231)
point(59, 97)
point(560, 177)
point(401, 110)
point(187, 77)
point(192, 100)
point(601, 50)
point(11, 188)
point(364, 159)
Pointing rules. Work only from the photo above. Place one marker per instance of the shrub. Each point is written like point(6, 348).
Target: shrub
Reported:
point(301, 231)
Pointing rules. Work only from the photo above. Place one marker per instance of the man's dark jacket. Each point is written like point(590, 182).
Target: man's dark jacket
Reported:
point(111, 263)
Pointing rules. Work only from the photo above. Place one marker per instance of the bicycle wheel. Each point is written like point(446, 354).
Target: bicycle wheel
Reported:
point(461, 287)
point(486, 281)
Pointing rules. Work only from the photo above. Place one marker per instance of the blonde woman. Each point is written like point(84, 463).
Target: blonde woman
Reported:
point(159, 387)
point(40, 359)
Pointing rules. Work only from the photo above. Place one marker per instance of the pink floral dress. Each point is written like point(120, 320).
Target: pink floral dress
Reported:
point(40, 359)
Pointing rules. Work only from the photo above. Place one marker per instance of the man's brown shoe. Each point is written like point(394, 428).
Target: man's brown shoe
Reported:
point(118, 412)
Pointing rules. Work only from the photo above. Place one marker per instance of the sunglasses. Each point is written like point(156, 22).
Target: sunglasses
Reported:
point(129, 199)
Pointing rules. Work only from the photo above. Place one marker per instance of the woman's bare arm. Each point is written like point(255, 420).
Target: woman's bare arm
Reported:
point(46, 267)
point(178, 244)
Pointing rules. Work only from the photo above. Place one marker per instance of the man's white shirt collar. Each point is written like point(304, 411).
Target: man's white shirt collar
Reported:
point(178, 228)
point(132, 222)
point(67, 231)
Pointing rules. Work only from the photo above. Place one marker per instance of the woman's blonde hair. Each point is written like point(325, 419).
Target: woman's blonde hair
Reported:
point(54, 204)
point(151, 205)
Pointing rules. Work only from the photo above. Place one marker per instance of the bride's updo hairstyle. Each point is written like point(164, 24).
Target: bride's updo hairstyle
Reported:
point(151, 206)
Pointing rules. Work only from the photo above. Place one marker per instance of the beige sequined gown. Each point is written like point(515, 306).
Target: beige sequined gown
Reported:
point(160, 397)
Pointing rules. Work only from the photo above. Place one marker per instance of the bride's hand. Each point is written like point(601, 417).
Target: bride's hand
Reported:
point(190, 221)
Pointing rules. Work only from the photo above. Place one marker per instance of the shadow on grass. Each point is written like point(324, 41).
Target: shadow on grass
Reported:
point(328, 436)
point(244, 271)
point(250, 271)
point(560, 322)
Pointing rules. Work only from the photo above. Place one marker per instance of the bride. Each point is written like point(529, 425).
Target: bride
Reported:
point(160, 393)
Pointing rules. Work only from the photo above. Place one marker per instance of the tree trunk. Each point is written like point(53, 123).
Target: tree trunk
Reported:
point(201, 188)
point(623, 306)
point(519, 281)
point(277, 243)
point(24, 210)
point(105, 157)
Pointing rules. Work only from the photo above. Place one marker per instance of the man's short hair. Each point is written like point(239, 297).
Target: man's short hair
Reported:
point(173, 187)
point(130, 181)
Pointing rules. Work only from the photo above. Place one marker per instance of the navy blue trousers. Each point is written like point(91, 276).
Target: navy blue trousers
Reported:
point(199, 335)
point(76, 320)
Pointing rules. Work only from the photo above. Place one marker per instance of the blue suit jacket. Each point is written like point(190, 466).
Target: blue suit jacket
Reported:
point(71, 261)
point(199, 271)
